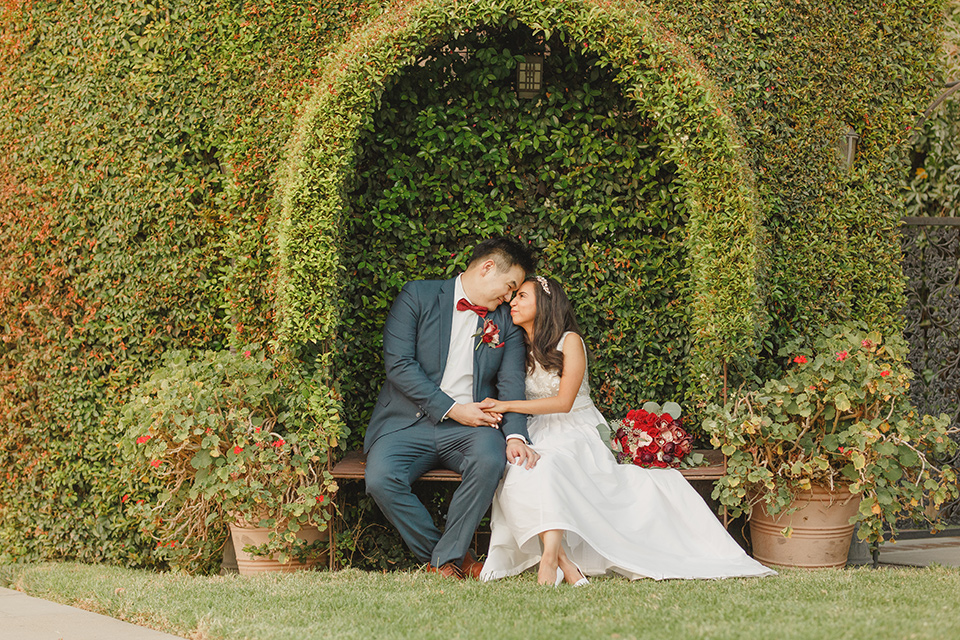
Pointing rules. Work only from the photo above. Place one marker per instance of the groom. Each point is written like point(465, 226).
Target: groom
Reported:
point(446, 345)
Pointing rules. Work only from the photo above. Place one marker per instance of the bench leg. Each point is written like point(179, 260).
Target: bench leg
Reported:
point(332, 534)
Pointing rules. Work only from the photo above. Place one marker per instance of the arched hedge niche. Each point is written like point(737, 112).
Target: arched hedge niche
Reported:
point(622, 173)
point(452, 155)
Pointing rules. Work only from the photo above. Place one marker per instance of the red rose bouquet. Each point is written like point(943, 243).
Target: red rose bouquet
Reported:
point(651, 437)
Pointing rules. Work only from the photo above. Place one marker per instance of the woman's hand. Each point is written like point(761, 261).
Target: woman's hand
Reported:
point(492, 405)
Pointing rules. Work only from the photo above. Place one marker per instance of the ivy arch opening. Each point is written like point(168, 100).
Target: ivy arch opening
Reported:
point(452, 155)
point(723, 239)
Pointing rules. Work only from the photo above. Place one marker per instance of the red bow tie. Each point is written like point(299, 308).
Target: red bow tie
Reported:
point(463, 304)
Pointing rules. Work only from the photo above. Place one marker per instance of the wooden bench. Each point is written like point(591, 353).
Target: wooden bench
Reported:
point(353, 466)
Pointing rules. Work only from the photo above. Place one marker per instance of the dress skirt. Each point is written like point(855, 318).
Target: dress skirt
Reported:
point(624, 519)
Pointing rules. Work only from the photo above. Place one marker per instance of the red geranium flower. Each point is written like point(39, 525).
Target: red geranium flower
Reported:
point(884, 373)
point(841, 356)
point(237, 449)
point(154, 463)
point(143, 439)
point(800, 360)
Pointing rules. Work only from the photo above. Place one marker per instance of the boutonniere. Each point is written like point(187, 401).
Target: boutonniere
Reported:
point(489, 335)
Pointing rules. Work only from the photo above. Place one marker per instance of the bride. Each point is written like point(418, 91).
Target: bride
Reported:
point(578, 512)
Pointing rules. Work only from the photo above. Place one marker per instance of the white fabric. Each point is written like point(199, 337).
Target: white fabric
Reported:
point(617, 518)
point(457, 380)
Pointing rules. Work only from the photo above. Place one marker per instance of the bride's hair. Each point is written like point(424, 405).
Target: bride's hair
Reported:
point(553, 318)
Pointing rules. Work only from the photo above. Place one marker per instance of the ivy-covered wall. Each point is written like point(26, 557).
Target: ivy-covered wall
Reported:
point(152, 197)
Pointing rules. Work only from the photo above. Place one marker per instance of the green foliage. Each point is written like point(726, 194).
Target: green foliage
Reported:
point(932, 186)
point(841, 415)
point(693, 135)
point(453, 156)
point(145, 206)
point(796, 76)
point(138, 146)
point(219, 437)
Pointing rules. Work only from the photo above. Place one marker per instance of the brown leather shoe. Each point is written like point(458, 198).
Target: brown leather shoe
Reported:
point(448, 570)
point(470, 567)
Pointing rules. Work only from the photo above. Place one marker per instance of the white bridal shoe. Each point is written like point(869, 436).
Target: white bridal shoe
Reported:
point(582, 582)
point(579, 583)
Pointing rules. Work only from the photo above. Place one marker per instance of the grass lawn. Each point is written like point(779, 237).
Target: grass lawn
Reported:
point(851, 603)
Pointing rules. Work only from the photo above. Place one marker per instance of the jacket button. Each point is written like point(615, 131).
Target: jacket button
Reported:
point(419, 414)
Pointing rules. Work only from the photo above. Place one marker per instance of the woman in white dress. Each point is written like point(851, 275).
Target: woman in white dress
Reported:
point(578, 512)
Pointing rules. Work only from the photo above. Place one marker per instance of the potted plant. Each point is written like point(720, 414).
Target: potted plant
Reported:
point(837, 430)
point(221, 438)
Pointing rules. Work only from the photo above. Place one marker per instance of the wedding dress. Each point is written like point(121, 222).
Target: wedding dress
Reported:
point(618, 518)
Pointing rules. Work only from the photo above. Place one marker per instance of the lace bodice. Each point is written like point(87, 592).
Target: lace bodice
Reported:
point(546, 384)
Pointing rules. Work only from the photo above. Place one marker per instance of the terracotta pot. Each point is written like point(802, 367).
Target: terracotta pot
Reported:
point(821, 530)
point(248, 564)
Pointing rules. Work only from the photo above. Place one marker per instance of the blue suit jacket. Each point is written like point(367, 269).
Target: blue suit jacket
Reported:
point(416, 339)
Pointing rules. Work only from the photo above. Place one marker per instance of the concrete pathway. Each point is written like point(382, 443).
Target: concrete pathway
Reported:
point(23, 617)
point(922, 552)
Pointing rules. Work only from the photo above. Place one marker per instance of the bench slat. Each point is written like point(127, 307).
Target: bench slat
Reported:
point(353, 464)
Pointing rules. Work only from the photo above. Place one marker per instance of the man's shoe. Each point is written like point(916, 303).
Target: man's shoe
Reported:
point(470, 567)
point(448, 570)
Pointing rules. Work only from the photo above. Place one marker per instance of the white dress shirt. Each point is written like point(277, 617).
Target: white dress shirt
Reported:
point(457, 380)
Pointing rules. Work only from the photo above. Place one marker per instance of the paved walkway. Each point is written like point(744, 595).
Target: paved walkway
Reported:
point(23, 617)
point(922, 552)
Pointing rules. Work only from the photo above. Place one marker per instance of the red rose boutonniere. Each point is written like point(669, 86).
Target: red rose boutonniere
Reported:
point(489, 334)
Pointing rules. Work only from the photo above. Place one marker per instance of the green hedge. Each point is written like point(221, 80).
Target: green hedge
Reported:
point(175, 175)
point(723, 238)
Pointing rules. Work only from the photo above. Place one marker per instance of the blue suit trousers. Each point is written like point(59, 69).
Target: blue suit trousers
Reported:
point(397, 459)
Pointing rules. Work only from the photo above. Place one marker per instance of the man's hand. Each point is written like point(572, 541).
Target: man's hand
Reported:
point(518, 452)
point(474, 415)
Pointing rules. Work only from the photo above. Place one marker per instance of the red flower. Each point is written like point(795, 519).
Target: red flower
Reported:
point(279, 443)
point(800, 360)
point(842, 355)
point(237, 449)
point(143, 439)
point(246, 354)
point(651, 440)
point(125, 497)
point(154, 463)
point(867, 343)
point(489, 334)
point(884, 373)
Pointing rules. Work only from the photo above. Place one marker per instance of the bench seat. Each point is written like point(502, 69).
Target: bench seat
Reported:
point(353, 465)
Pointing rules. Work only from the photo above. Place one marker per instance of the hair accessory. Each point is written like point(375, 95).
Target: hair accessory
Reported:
point(543, 283)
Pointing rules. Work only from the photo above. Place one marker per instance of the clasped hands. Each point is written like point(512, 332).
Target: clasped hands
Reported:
point(488, 413)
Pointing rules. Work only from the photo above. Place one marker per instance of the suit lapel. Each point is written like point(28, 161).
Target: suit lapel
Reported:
point(480, 353)
point(445, 304)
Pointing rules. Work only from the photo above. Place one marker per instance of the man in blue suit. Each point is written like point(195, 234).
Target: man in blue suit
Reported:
point(446, 346)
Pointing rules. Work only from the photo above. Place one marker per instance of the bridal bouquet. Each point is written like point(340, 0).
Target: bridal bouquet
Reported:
point(653, 437)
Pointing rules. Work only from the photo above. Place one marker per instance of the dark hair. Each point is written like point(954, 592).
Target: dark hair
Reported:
point(506, 252)
point(553, 318)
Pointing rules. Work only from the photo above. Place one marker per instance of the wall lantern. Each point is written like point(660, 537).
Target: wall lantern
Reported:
point(848, 147)
point(530, 77)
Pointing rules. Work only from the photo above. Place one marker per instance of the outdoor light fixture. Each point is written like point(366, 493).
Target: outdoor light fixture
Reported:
point(848, 147)
point(530, 77)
